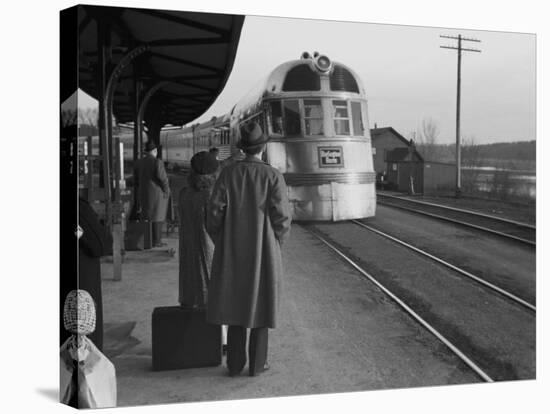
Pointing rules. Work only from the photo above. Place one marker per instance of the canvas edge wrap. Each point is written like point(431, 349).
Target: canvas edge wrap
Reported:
point(68, 167)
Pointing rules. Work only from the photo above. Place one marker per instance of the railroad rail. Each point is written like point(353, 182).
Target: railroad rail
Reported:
point(514, 230)
point(430, 328)
point(457, 269)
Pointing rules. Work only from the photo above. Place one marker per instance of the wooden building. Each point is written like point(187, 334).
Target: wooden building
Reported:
point(397, 163)
point(439, 177)
point(405, 170)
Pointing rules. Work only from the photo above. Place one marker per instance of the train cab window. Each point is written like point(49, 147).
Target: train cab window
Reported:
point(313, 116)
point(341, 117)
point(276, 118)
point(291, 117)
point(260, 120)
point(357, 119)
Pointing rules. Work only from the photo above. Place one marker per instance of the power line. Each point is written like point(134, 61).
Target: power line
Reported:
point(459, 50)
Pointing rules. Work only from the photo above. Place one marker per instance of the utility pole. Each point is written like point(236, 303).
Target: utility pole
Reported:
point(460, 39)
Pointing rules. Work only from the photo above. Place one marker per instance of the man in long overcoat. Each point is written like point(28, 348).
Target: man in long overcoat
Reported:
point(248, 219)
point(154, 190)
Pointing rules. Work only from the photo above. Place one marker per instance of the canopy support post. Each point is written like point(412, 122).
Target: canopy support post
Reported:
point(116, 212)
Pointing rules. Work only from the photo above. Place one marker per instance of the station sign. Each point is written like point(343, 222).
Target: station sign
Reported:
point(330, 156)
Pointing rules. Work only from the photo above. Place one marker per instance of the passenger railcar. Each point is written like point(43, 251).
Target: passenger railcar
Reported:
point(178, 146)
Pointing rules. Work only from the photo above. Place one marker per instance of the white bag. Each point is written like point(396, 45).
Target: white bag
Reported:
point(96, 375)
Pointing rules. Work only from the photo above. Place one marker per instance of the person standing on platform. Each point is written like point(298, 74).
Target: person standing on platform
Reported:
point(196, 248)
point(154, 191)
point(248, 219)
point(93, 242)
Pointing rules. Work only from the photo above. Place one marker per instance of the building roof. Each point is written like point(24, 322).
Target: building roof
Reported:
point(191, 53)
point(377, 132)
point(397, 154)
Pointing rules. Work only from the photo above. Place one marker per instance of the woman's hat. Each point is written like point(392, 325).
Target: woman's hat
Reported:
point(79, 312)
point(204, 163)
point(252, 136)
point(150, 146)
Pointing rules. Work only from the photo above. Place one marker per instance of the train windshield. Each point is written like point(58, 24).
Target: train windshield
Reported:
point(292, 117)
point(313, 116)
point(276, 118)
point(358, 128)
point(340, 115)
point(285, 120)
point(285, 117)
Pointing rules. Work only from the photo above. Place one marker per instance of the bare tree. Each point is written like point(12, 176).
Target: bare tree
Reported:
point(430, 131)
point(68, 117)
point(471, 155)
point(426, 139)
point(88, 116)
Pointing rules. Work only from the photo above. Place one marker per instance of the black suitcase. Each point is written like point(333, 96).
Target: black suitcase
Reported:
point(138, 235)
point(183, 339)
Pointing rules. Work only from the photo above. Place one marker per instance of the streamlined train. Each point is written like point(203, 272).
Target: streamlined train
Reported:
point(314, 111)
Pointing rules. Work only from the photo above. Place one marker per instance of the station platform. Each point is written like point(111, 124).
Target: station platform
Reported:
point(337, 333)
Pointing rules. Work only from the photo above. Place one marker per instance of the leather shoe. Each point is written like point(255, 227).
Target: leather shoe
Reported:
point(253, 373)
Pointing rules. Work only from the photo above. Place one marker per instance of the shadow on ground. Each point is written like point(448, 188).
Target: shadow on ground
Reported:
point(50, 393)
point(117, 338)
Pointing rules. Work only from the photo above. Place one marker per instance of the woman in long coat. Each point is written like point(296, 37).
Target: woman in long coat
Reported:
point(196, 248)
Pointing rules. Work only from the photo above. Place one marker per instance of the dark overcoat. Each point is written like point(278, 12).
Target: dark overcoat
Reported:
point(248, 219)
point(153, 187)
point(196, 248)
point(94, 243)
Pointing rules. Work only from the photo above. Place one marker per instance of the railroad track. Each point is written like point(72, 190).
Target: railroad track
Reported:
point(480, 280)
point(451, 341)
point(510, 229)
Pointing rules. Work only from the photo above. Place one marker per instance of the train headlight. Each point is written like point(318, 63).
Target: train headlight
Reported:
point(323, 63)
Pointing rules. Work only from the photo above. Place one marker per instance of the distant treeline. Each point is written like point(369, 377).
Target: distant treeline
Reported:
point(502, 154)
point(525, 151)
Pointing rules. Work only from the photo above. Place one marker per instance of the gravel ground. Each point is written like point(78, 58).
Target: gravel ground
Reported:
point(499, 335)
point(337, 333)
point(506, 263)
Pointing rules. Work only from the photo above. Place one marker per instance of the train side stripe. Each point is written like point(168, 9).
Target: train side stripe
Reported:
point(295, 179)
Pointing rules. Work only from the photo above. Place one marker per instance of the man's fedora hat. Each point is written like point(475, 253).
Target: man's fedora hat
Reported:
point(251, 136)
point(150, 146)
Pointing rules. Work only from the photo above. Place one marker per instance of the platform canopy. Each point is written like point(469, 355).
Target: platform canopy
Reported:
point(187, 61)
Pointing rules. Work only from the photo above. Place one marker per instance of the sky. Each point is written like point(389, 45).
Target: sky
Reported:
point(407, 76)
